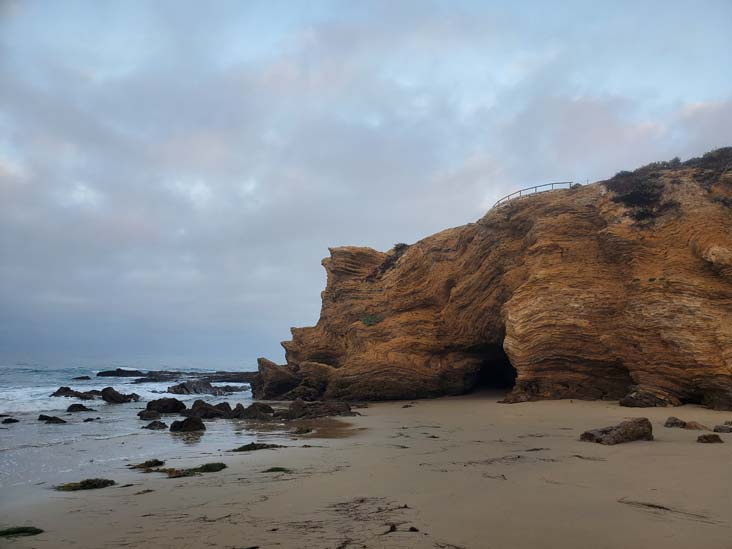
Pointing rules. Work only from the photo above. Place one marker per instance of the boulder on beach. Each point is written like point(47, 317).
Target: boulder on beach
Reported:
point(110, 395)
point(709, 438)
point(187, 425)
point(68, 392)
point(147, 415)
point(78, 408)
point(634, 429)
point(166, 406)
point(156, 426)
point(50, 419)
point(723, 429)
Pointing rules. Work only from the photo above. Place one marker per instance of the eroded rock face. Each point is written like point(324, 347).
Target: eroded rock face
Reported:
point(619, 288)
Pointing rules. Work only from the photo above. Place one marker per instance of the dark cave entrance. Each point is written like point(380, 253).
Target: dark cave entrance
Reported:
point(496, 371)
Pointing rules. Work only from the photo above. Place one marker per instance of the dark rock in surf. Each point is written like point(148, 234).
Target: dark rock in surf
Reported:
point(68, 392)
point(166, 406)
point(147, 415)
point(257, 410)
point(78, 408)
point(156, 426)
point(120, 372)
point(50, 419)
point(187, 425)
point(113, 397)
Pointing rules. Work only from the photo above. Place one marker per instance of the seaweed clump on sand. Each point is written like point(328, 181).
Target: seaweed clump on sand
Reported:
point(205, 468)
point(18, 531)
point(253, 446)
point(148, 466)
point(86, 484)
point(277, 470)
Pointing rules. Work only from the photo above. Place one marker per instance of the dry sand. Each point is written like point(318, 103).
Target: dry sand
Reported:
point(463, 471)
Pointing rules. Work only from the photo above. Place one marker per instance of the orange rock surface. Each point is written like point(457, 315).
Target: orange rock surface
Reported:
point(621, 289)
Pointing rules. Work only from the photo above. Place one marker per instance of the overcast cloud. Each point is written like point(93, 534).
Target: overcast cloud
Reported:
point(172, 173)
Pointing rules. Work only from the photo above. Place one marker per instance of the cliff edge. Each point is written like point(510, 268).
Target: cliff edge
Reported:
point(621, 289)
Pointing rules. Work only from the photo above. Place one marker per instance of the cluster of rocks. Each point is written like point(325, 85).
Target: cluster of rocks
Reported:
point(159, 376)
point(201, 387)
point(108, 394)
point(260, 411)
point(640, 428)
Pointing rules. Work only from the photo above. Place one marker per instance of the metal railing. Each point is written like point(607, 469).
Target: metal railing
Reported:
point(528, 191)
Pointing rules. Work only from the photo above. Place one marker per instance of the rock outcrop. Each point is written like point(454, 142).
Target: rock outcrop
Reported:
point(620, 289)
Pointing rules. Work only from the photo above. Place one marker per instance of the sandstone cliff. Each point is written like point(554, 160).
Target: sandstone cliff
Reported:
point(621, 289)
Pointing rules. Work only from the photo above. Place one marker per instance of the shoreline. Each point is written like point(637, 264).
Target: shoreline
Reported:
point(470, 471)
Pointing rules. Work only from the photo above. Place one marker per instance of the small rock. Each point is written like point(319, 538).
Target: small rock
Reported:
point(156, 426)
point(81, 378)
point(8, 420)
point(673, 421)
point(413, 529)
point(635, 429)
point(695, 426)
point(187, 425)
point(709, 439)
point(78, 408)
point(87, 420)
point(147, 415)
point(50, 419)
point(718, 429)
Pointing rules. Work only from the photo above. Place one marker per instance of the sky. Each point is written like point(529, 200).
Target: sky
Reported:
point(173, 172)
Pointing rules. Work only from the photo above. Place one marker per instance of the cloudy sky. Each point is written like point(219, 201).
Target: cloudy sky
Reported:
point(172, 173)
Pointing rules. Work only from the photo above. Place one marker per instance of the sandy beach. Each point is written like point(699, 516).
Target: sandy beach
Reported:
point(452, 472)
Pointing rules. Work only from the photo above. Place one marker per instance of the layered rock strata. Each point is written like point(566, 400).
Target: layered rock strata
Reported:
point(621, 289)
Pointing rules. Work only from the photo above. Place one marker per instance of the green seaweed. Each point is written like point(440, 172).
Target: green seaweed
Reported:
point(253, 446)
point(86, 484)
point(17, 531)
point(277, 470)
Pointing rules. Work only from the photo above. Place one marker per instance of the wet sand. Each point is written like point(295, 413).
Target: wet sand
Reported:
point(451, 472)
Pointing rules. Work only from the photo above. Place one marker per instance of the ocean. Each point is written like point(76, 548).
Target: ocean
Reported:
point(35, 456)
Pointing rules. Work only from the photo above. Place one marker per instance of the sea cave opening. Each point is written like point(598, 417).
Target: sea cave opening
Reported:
point(496, 371)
